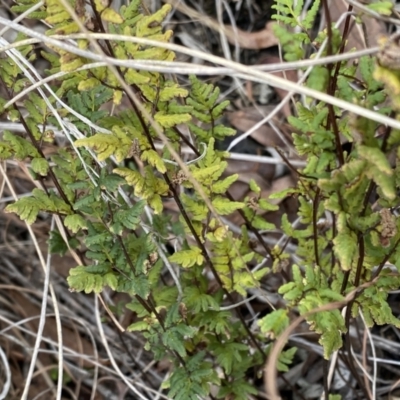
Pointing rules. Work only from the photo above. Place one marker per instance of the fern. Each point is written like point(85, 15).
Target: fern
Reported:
point(347, 251)
point(110, 191)
point(294, 43)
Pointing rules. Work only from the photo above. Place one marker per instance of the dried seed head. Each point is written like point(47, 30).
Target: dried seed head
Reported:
point(253, 203)
point(389, 56)
point(134, 149)
point(388, 223)
point(153, 257)
point(179, 178)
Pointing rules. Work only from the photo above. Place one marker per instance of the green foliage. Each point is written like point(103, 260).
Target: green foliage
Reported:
point(81, 279)
point(188, 258)
point(336, 187)
point(28, 208)
point(285, 358)
point(18, 147)
point(381, 7)
point(274, 323)
point(205, 107)
point(110, 190)
point(238, 388)
point(194, 380)
point(294, 44)
point(148, 187)
point(88, 101)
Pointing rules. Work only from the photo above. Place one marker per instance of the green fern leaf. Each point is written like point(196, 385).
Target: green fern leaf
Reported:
point(26, 208)
point(167, 120)
point(111, 15)
point(223, 185)
point(110, 279)
point(40, 166)
point(224, 206)
point(218, 110)
point(139, 326)
point(221, 131)
point(88, 84)
point(239, 389)
point(173, 338)
point(75, 223)
point(5, 151)
point(197, 208)
point(274, 323)
point(208, 174)
point(130, 218)
point(132, 10)
point(150, 25)
point(345, 247)
point(291, 291)
point(375, 156)
point(381, 7)
point(21, 147)
point(331, 340)
point(188, 258)
point(311, 15)
point(198, 301)
point(133, 77)
point(152, 157)
point(285, 359)
point(80, 279)
point(216, 321)
point(259, 222)
point(145, 187)
point(171, 90)
point(107, 145)
point(229, 354)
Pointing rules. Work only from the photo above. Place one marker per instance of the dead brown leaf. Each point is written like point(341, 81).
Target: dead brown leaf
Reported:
point(247, 117)
point(252, 40)
point(246, 40)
